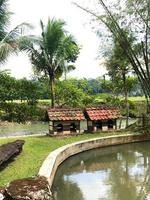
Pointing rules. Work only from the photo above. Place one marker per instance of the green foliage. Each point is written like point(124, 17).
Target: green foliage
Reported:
point(71, 93)
point(133, 109)
point(114, 101)
point(54, 49)
point(20, 98)
point(21, 89)
point(20, 112)
point(128, 23)
point(7, 92)
point(117, 61)
point(28, 90)
point(101, 98)
point(119, 70)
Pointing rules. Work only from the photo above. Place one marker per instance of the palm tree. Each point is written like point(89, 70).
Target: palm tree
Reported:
point(67, 69)
point(10, 41)
point(52, 51)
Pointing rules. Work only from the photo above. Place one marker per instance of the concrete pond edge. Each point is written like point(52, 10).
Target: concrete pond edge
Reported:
point(56, 157)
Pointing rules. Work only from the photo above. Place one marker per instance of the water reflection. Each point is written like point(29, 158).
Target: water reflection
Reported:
point(14, 129)
point(112, 173)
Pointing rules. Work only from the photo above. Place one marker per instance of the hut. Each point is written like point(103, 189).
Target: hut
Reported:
point(101, 119)
point(66, 121)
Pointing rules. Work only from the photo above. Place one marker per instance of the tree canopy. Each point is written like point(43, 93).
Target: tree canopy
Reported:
point(52, 51)
point(132, 17)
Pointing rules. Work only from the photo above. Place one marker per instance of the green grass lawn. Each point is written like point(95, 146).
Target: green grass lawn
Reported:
point(137, 99)
point(102, 97)
point(40, 101)
point(99, 98)
point(34, 152)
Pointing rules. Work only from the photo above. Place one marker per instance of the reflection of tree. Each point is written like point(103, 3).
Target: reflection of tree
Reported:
point(67, 190)
point(145, 187)
point(128, 168)
point(125, 185)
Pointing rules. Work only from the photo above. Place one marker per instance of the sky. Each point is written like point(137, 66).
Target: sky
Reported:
point(78, 24)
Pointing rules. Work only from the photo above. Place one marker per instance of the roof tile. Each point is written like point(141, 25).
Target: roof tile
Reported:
point(102, 113)
point(57, 114)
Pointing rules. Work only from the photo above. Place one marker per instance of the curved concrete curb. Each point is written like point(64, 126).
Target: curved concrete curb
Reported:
point(56, 157)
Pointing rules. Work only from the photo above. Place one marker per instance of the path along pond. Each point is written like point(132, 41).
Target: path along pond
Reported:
point(112, 173)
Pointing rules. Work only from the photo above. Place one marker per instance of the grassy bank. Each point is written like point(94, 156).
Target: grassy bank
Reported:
point(103, 96)
point(35, 150)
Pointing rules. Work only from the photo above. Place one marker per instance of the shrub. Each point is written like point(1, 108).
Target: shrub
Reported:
point(20, 112)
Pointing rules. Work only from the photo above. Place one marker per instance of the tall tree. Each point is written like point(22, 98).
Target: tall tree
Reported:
point(129, 16)
point(52, 50)
point(118, 67)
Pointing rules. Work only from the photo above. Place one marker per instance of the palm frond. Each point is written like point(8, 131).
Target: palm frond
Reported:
point(51, 52)
point(25, 43)
point(70, 68)
point(53, 34)
point(38, 60)
point(16, 32)
point(6, 49)
point(5, 71)
point(69, 48)
point(12, 41)
point(4, 17)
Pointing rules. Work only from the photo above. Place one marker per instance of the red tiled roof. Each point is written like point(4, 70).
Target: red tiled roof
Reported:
point(59, 114)
point(102, 113)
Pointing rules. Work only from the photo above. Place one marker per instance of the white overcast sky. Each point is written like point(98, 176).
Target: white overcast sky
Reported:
point(77, 24)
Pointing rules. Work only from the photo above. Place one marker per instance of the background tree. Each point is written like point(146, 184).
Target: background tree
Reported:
point(27, 90)
point(130, 16)
point(118, 67)
point(18, 89)
point(7, 92)
point(70, 93)
point(52, 51)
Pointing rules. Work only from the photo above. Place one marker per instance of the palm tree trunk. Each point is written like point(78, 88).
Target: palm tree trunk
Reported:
point(52, 88)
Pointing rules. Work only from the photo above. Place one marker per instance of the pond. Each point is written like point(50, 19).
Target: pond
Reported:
point(112, 173)
point(123, 122)
point(15, 129)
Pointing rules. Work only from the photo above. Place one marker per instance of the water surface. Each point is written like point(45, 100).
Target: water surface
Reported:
point(14, 129)
point(112, 173)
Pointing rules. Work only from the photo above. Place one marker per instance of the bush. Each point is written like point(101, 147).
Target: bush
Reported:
point(44, 104)
point(136, 108)
point(20, 112)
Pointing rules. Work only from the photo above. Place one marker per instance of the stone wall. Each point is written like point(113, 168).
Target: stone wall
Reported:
point(56, 157)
